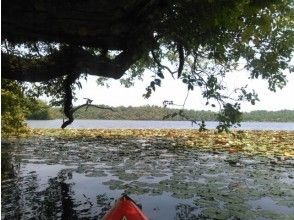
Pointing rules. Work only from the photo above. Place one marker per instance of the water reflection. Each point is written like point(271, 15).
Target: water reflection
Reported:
point(58, 199)
point(80, 179)
point(185, 211)
point(9, 167)
point(30, 201)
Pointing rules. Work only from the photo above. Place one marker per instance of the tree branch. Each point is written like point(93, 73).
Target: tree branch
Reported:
point(96, 106)
point(68, 107)
point(69, 113)
point(180, 49)
point(67, 60)
point(157, 61)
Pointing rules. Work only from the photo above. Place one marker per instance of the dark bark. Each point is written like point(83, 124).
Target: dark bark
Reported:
point(67, 60)
point(68, 107)
point(180, 50)
point(88, 105)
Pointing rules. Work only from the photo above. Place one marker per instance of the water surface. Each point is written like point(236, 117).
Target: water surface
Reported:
point(156, 124)
point(48, 178)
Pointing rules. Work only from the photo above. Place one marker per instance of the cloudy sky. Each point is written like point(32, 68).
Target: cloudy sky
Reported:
point(175, 90)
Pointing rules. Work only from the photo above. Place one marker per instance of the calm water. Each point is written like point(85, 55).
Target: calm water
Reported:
point(48, 178)
point(155, 124)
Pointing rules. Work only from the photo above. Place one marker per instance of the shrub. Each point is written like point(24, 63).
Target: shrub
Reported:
point(12, 111)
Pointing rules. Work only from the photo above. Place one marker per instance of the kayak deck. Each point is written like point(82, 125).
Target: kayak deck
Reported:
point(125, 209)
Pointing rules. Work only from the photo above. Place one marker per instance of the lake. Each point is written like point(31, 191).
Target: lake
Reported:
point(289, 126)
point(55, 178)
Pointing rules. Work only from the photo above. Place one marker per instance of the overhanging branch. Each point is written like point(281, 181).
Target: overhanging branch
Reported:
point(65, 61)
point(88, 105)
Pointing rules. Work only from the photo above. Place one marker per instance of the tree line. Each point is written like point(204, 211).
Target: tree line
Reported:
point(160, 113)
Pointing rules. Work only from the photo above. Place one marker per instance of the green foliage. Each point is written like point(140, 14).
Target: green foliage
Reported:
point(229, 116)
point(39, 110)
point(260, 35)
point(16, 106)
point(160, 113)
point(139, 113)
point(234, 32)
point(276, 116)
point(56, 113)
point(12, 109)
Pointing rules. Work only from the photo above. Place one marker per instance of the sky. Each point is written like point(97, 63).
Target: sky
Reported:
point(176, 91)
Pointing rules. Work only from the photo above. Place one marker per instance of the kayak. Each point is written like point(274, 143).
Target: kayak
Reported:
point(125, 209)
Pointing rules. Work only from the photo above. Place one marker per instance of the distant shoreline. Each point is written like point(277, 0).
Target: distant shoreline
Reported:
point(156, 113)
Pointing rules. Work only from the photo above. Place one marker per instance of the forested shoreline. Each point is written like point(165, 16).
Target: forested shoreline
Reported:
point(160, 113)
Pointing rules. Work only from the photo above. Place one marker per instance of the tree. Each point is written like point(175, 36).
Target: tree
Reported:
point(56, 43)
point(38, 110)
point(13, 108)
point(16, 107)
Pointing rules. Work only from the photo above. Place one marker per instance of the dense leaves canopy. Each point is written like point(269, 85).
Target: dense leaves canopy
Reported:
point(15, 107)
point(58, 42)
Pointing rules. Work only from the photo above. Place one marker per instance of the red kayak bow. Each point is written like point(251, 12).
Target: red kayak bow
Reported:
point(124, 209)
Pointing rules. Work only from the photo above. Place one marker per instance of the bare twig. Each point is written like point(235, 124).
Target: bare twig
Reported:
point(186, 99)
point(163, 66)
point(96, 106)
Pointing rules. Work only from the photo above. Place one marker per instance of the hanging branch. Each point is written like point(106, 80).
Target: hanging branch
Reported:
point(180, 50)
point(68, 97)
